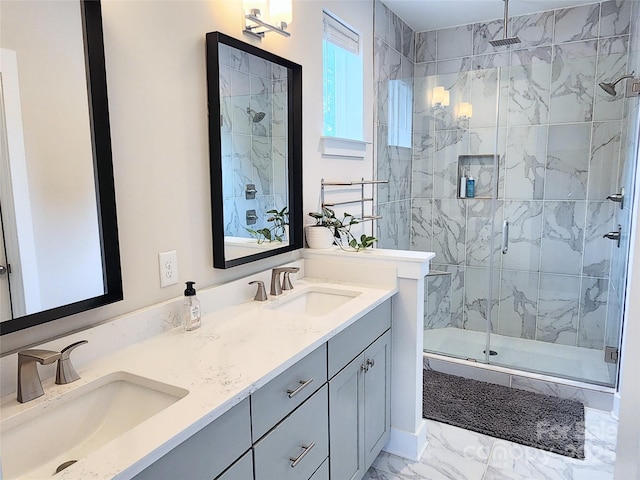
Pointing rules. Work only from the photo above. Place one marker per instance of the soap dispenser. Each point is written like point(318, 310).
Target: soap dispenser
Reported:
point(190, 308)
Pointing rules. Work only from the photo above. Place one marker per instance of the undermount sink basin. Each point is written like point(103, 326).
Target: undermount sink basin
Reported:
point(35, 442)
point(315, 301)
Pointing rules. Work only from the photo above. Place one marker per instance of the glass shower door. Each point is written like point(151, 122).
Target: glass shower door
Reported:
point(561, 282)
point(455, 139)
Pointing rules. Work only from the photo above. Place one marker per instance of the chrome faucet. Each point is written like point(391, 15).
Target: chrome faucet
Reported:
point(65, 373)
point(276, 285)
point(29, 383)
point(261, 293)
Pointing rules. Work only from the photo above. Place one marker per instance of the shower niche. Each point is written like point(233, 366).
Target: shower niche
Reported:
point(484, 171)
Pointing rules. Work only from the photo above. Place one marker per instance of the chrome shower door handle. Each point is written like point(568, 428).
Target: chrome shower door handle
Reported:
point(505, 237)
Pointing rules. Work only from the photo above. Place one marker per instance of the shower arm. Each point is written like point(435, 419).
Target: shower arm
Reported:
point(506, 19)
point(629, 75)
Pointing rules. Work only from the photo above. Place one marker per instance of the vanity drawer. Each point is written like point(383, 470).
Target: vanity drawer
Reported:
point(348, 344)
point(208, 452)
point(276, 399)
point(302, 436)
point(241, 470)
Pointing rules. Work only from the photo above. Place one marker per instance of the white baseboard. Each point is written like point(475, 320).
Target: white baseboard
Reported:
point(615, 411)
point(409, 445)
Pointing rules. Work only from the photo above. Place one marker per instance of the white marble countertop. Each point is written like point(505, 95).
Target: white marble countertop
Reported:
point(236, 351)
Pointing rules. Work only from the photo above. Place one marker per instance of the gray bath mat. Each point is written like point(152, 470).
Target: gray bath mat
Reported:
point(540, 421)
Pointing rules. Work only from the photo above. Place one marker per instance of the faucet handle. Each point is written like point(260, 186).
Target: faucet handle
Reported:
point(286, 282)
point(261, 294)
point(66, 373)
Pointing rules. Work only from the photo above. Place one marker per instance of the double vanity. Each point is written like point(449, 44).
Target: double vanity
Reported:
point(298, 386)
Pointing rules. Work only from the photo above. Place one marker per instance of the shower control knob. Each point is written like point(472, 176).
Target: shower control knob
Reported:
point(618, 198)
point(614, 235)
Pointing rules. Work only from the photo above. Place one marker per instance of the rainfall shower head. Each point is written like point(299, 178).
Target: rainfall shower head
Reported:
point(505, 40)
point(256, 117)
point(610, 88)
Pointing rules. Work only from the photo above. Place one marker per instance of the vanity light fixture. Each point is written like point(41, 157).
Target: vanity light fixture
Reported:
point(263, 16)
point(440, 97)
point(465, 111)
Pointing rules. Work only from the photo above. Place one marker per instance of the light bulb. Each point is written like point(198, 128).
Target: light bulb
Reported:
point(440, 97)
point(280, 11)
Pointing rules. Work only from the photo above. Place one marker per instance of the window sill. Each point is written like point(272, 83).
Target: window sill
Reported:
point(343, 147)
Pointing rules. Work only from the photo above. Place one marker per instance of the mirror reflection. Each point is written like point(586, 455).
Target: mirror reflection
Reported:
point(255, 101)
point(55, 228)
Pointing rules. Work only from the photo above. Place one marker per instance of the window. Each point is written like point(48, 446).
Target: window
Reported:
point(342, 91)
point(400, 113)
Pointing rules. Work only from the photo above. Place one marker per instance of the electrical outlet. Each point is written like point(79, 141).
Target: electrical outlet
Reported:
point(168, 262)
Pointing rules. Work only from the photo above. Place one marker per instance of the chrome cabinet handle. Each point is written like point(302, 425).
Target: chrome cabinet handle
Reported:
point(303, 383)
point(305, 449)
point(364, 367)
point(505, 237)
point(370, 363)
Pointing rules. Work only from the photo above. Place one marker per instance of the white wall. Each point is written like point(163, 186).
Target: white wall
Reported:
point(155, 56)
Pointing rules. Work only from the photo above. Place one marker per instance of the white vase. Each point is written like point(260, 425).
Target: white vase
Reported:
point(318, 237)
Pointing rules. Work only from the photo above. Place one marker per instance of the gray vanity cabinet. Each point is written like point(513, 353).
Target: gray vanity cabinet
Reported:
point(241, 470)
point(377, 397)
point(360, 397)
point(287, 391)
point(295, 448)
point(299, 426)
point(209, 452)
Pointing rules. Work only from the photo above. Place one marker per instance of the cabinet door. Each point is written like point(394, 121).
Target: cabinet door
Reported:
point(346, 422)
point(377, 397)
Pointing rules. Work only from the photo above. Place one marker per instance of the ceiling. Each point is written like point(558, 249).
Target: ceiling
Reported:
point(422, 15)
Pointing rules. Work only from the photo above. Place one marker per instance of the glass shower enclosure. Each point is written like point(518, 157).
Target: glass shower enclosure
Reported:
point(530, 271)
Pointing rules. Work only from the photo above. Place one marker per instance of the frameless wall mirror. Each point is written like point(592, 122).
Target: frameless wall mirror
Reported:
point(59, 251)
point(255, 148)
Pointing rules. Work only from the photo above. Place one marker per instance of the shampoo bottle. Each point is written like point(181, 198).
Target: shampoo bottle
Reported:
point(463, 186)
point(190, 308)
point(471, 187)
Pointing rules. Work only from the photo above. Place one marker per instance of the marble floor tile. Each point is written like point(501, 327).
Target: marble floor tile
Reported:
point(458, 454)
point(374, 474)
point(436, 463)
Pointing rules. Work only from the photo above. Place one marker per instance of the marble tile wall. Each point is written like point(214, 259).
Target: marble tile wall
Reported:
point(393, 61)
point(562, 146)
point(252, 152)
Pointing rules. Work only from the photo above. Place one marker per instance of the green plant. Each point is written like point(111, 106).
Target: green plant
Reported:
point(341, 227)
point(276, 232)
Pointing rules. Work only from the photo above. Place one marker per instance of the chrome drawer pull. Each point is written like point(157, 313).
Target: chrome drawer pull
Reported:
point(303, 383)
point(305, 449)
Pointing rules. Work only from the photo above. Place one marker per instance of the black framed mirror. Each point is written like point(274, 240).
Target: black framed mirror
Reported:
point(255, 151)
point(67, 259)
